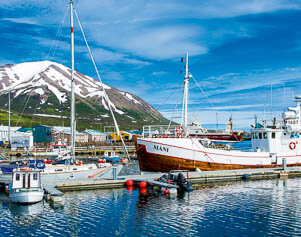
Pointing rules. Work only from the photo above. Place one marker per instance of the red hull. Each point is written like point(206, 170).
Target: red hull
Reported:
point(159, 163)
point(234, 137)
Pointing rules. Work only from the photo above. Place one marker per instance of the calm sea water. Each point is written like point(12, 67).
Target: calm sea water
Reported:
point(254, 208)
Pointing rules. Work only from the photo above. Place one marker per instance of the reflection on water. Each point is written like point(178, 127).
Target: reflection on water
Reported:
point(253, 208)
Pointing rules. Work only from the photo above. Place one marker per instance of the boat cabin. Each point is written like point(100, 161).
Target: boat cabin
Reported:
point(281, 136)
point(24, 178)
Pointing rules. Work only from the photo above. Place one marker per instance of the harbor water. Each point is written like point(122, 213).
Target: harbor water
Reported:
point(246, 208)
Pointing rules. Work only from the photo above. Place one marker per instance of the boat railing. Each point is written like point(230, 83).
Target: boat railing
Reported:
point(160, 130)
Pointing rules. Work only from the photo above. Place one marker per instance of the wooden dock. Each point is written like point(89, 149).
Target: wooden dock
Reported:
point(52, 194)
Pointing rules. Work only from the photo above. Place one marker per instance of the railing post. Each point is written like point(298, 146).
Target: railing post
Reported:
point(284, 163)
point(115, 173)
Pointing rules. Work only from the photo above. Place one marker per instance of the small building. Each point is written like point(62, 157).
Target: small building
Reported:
point(95, 136)
point(25, 130)
point(113, 137)
point(65, 137)
point(42, 133)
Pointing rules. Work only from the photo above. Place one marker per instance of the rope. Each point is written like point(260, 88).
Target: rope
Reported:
point(202, 91)
point(57, 36)
point(28, 96)
point(103, 89)
point(174, 109)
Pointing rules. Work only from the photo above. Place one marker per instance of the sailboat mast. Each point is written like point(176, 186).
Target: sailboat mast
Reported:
point(185, 97)
point(8, 117)
point(72, 119)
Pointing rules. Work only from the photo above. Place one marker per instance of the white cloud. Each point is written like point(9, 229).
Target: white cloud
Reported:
point(159, 73)
point(106, 56)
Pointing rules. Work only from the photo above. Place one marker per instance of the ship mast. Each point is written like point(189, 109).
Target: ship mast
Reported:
point(185, 97)
point(8, 117)
point(72, 116)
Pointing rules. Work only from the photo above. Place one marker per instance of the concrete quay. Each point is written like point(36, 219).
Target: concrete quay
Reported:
point(195, 177)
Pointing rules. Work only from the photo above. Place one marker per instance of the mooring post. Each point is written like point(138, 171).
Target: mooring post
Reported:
point(114, 172)
point(284, 163)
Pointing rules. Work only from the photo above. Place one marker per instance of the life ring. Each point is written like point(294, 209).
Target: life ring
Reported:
point(292, 145)
point(180, 130)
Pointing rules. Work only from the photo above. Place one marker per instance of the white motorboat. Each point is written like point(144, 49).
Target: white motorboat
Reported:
point(26, 186)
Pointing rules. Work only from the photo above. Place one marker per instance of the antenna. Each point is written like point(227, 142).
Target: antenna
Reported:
point(216, 121)
point(284, 96)
point(271, 102)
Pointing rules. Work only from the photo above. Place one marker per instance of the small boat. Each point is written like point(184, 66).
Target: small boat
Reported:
point(26, 186)
point(110, 156)
point(58, 149)
point(196, 130)
point(177, 179)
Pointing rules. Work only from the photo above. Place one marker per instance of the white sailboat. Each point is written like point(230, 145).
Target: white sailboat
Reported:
point(270, 145)
point(71, 167)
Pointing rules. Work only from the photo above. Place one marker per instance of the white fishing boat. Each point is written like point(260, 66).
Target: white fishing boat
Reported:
point(271, 144)
point(58, 149)
point(26, 186)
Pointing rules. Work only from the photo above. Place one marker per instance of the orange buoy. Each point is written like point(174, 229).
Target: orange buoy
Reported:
point(166, 192)
point(45, 161)
point(143, 184)
point(48, 161)
point(129, 183)
point(99, 161)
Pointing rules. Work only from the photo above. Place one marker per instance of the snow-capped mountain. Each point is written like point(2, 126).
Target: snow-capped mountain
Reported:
point(47, 83)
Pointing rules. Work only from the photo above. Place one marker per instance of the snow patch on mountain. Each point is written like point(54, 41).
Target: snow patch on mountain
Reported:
point(130, 97)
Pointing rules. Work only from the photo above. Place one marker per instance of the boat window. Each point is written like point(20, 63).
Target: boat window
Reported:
point(17, 177)
point(24, 180)
point(28, 182)
point(256, 135)
point(265, 135)
point(273, 135)
point(260, 135)
point(35, 176)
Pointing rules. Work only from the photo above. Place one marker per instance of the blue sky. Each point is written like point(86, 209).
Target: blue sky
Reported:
point(240, 51)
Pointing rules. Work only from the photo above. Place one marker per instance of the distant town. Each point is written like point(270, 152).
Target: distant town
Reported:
point(42, 135)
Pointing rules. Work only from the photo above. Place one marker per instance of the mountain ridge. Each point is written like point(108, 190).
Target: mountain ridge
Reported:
point(43, 87)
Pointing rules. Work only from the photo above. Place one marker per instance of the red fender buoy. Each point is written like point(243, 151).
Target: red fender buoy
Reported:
point(129, 183)
point(143, 184)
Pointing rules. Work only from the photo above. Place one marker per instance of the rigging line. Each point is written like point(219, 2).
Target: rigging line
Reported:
point(58, 33)
point(35, 109)
point(20, 115)
point(175, 109)
point(202, 91)
point(172, 92)
point(104, 92)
